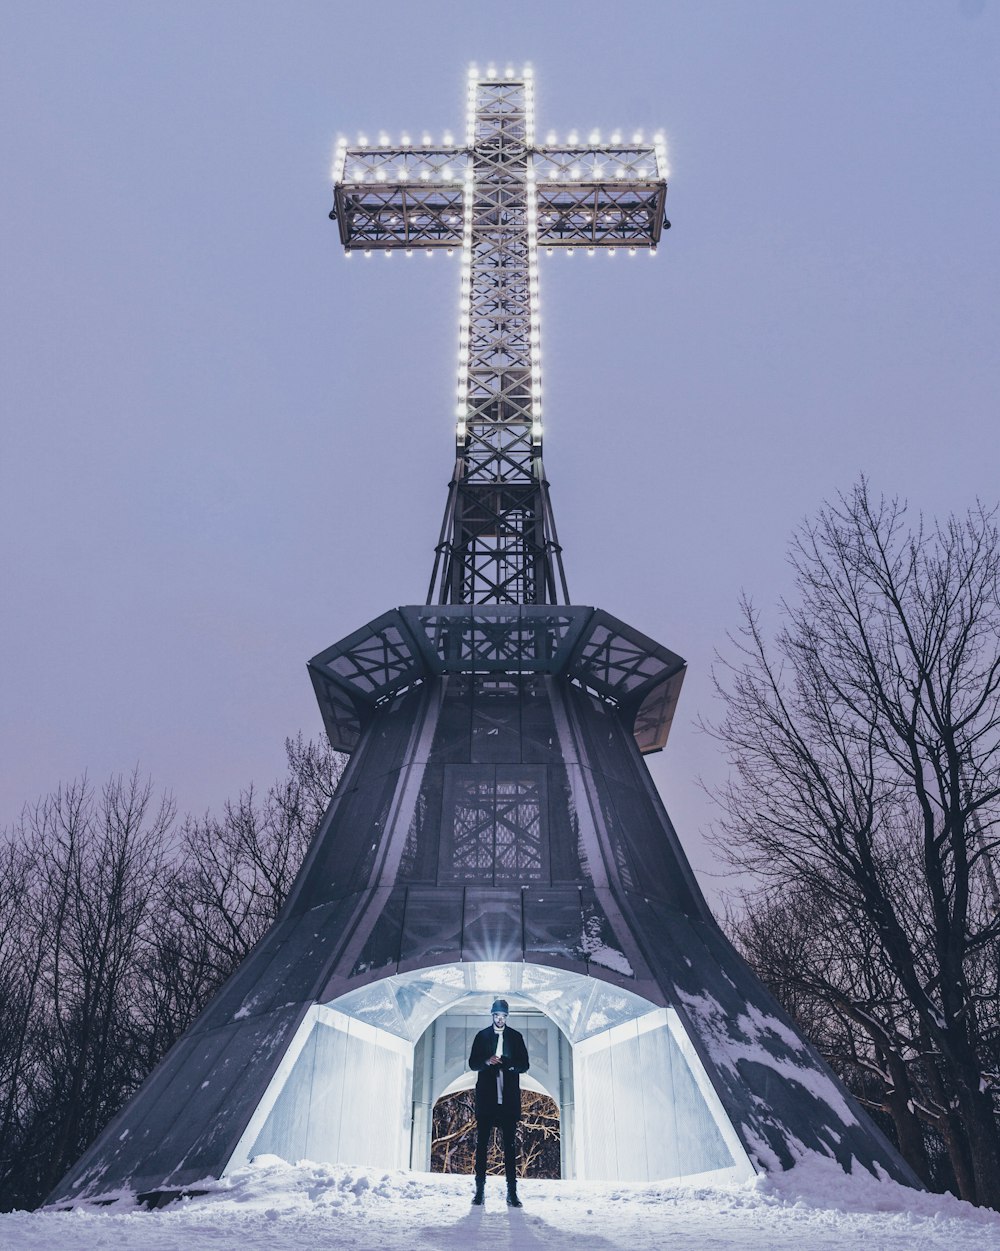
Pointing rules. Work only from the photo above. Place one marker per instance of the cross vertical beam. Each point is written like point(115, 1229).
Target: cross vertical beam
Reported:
point(498, 545)
point(497, 198)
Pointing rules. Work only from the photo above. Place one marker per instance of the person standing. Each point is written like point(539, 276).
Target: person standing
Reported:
point(499, 1056)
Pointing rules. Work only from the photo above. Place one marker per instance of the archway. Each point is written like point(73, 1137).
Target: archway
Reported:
point(366, 1070)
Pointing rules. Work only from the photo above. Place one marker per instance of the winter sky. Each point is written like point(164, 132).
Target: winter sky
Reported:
point(225, 446)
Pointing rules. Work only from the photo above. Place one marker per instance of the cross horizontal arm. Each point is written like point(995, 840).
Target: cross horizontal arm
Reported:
point(600, 215)
point(599, 197)
point(386, 198)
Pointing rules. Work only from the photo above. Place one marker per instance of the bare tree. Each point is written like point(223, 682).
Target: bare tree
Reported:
point(234, 871)
point(865, 749)
point(453, 1142)
point(115, 931)
point(87, 868)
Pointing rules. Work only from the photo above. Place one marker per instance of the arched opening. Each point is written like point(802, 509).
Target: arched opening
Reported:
point(361, 1080)
point(453, 1136)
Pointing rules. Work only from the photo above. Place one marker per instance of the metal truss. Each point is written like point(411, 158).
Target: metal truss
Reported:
point(498, 198)
point(408, 646)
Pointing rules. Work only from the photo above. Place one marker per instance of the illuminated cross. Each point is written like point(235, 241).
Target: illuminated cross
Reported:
point(499, 197)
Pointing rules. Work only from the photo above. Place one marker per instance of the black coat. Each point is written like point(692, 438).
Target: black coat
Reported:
point(514, 1062)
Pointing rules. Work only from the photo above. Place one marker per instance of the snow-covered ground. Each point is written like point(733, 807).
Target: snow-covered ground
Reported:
point(272, 1206)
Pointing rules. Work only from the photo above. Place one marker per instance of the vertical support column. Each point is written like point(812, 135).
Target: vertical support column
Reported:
point(423, 1102)
point(498, 543)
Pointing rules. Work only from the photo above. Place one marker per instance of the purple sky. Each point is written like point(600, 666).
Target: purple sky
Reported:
point(224, 446)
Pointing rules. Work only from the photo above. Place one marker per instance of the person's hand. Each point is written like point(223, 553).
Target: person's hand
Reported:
point(493, 1060)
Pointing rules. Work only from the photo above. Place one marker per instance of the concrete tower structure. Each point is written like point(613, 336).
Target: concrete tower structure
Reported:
point(496, 830)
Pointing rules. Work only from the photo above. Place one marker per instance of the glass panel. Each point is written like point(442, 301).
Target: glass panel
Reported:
point(453, 733)
point(602, 734)
point(347, 848)
point(492, 926)
point(420, 852)
point(496, 721)
point(566, 857)
point(381, 949)
point(553, 923)
point(376, 1005)
point(599, 939)
point(539, 741)
point(432, 923)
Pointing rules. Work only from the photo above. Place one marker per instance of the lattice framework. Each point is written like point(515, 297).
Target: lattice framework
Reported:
point(498, 198)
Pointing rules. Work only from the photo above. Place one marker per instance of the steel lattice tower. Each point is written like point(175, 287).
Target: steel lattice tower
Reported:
point(498, 198)
point(496, 829)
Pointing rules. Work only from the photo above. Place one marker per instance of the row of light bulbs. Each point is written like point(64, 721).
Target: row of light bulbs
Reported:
point(448, 173)
point(566, 251)
point(572, 140)
point(492, 72)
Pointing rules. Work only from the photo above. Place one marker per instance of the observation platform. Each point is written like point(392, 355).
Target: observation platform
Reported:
point(406, 646)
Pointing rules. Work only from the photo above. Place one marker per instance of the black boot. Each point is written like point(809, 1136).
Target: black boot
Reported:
point(512, 1200)
point(479, 1197)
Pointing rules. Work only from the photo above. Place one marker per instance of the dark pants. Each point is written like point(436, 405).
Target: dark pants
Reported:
point(508, 1128)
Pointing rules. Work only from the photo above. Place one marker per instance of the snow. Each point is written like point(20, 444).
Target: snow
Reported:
point(272, 1205)
point(754, 1027)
